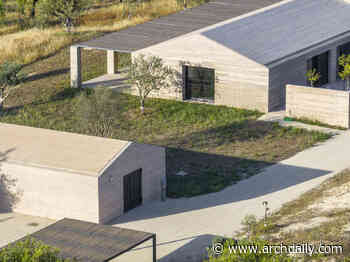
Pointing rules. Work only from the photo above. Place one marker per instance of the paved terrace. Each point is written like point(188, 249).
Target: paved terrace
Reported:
point(115, 82)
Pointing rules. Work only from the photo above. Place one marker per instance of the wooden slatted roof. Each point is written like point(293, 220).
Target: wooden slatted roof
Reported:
point(174, 25)
point(89, 242)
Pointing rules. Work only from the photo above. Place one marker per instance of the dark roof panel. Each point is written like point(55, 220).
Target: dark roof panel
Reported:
point(89, 242)
point(174, 25)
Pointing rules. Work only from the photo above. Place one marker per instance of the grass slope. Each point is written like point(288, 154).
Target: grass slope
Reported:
point(27, 46)
point(216, 145)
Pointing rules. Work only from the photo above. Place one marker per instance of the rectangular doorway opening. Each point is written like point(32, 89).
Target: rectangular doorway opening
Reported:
point(132, 186)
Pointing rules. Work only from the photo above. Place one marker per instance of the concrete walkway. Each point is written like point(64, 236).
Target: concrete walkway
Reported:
point(185, 227)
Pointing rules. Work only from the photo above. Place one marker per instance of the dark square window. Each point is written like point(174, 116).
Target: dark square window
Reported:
point(199, 83)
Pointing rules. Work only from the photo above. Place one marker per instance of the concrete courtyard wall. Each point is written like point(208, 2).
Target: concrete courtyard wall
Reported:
point(328, 106)
point(52, 193)
point(292, 70)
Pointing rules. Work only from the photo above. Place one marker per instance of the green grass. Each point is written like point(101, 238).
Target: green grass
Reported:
point(215, 145)
point(313, 122)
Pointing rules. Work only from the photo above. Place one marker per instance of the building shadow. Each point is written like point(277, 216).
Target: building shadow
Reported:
point(9, 194)
point(190, 249)
point(193, 251)
point(113, 84)
point(35, 77)
point(271, 179)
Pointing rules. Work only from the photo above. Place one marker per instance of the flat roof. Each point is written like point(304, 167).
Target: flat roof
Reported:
point(89, 242)
point(167, 27)
point(47, 148)
point(284, 30)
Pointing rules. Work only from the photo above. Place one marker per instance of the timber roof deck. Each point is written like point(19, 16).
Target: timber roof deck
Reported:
point(89, 242)
point(167, 27)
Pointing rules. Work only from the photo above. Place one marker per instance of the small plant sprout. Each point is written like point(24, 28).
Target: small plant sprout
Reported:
point(265, 204)
point(313, 76)
point(344, 62)
point(249, 222)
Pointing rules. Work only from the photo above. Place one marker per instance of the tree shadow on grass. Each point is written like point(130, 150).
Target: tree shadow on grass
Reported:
point(206, 173)
point(36, 77)
point(9, 194)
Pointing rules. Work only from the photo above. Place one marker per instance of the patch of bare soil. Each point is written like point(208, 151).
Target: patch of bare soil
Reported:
point(337, 198)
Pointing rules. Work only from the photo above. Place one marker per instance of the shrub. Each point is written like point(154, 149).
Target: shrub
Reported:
point(30, 250)
point(96, 111)
point(344, 62)
point(313, 76)
point(66, 11)
point(9, 76)
point(2, 9)
point(256, 251)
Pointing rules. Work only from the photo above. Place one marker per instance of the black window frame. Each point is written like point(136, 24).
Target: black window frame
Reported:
point(340, 51)
point(187, 89)
point(314, 63)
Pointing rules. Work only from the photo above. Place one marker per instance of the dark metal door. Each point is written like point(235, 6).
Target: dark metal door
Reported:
point(132, 190)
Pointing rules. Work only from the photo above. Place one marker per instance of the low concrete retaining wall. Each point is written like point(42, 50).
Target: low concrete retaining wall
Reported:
point(328, 106)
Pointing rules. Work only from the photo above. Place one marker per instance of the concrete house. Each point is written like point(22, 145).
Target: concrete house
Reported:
point(59, 174)
point(239, 53)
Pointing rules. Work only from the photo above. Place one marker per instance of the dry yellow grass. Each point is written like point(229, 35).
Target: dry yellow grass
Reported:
point(27, 46)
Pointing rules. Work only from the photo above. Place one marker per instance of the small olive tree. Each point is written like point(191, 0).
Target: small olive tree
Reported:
point(149, 74)
point(10, 76)
point(96, 111)
point(344, 62)
point(66, 11)
point(313, 76)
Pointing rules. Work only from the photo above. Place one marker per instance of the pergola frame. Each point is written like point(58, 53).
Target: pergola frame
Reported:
point(76, 63)
point(90, 242)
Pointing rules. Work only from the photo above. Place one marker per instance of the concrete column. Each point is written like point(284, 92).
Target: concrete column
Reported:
point(112, 62)
point(75, 66)
point(333, 64)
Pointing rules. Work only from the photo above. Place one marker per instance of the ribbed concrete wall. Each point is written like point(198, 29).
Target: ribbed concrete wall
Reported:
point(152, 161)
point(240, 82)
point(292, 71)
point(324, 105)
point(56, 193)
point(53, 193)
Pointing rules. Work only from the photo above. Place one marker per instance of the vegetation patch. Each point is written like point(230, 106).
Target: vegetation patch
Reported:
point(313, 122)
point(33, 41)
point(301, 221)
point(30, 250)
point(215, 145)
